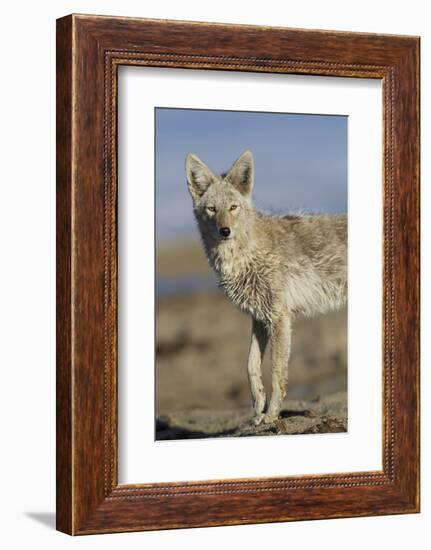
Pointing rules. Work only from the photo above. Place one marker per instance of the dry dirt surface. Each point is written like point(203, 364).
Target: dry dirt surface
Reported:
point(297, 417)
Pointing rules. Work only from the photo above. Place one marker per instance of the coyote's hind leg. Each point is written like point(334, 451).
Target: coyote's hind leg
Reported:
point(259, 340)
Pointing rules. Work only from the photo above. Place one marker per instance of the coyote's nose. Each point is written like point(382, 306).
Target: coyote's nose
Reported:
point(224, 231)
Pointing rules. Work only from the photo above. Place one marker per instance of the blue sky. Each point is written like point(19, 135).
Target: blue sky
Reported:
point(300, 161)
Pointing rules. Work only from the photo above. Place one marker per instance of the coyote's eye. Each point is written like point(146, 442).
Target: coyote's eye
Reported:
point(234, 207)
point(211, 208)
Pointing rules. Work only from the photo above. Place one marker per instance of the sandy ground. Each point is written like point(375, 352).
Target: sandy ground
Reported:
point(201, 353)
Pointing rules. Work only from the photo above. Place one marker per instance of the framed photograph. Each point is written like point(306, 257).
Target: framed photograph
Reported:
point(237, 274)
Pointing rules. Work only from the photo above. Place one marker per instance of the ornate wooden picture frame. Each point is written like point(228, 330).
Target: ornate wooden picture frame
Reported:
point(89, 51)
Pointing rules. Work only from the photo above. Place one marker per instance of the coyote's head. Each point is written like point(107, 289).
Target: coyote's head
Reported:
point(221, 203)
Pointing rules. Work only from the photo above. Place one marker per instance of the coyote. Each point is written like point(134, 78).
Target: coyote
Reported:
point(272, 267)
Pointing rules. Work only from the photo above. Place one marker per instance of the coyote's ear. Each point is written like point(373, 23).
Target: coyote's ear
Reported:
point(241, 175)
point(199, 176)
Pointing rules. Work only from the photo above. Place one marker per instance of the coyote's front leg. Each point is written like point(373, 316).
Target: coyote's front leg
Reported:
point(280, 351)
point(259, 339)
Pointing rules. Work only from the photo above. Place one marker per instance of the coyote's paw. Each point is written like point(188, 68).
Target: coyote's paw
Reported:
point(258, 419)
point(270, 418)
